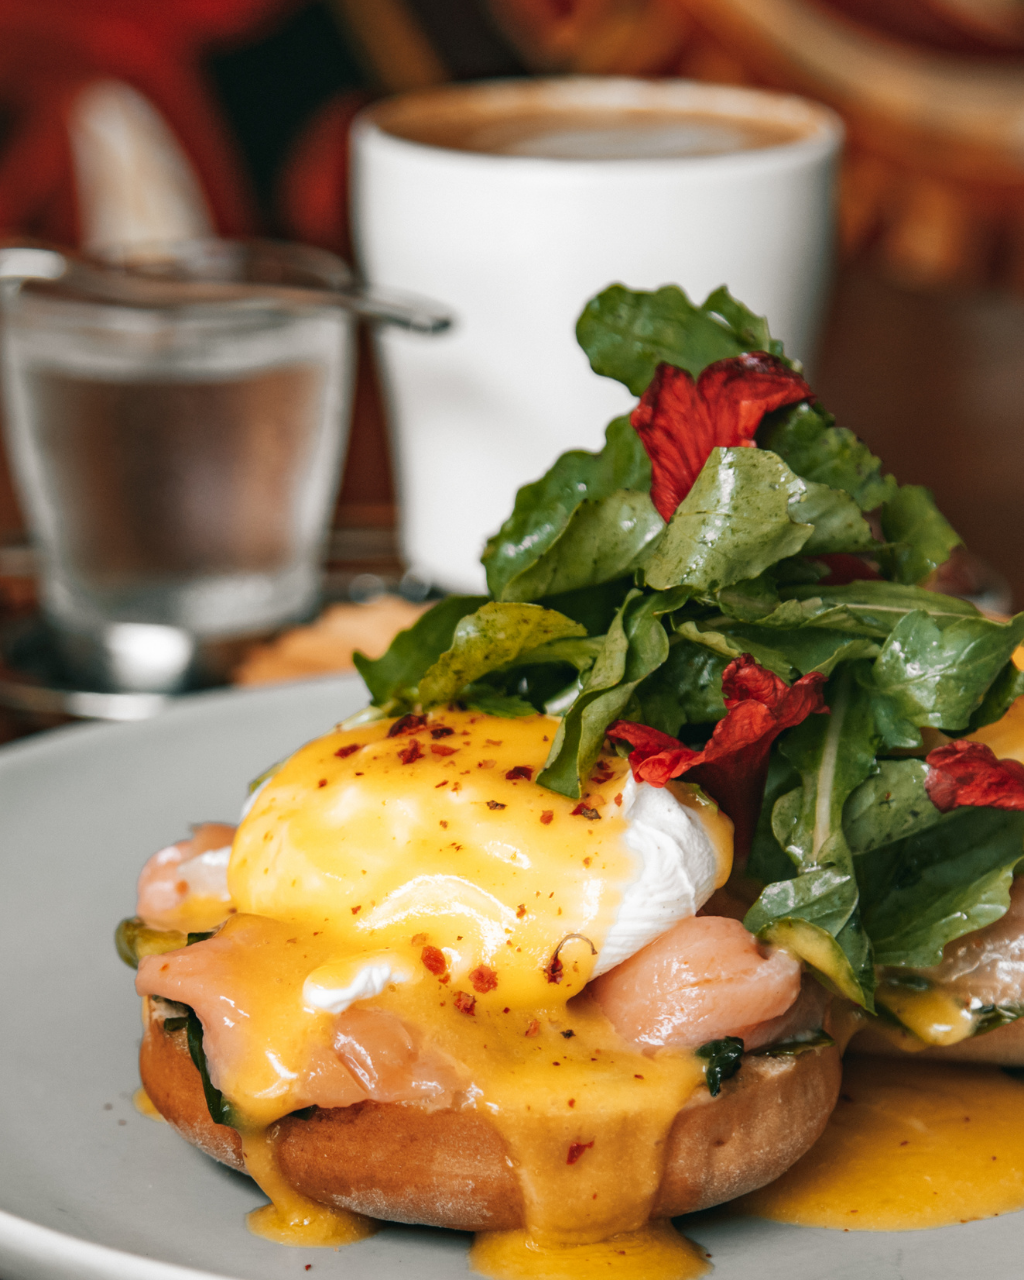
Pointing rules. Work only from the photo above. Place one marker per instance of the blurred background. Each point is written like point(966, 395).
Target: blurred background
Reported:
point(923, 352)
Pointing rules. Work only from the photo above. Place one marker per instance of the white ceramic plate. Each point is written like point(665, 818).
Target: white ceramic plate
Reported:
point(91, 1189)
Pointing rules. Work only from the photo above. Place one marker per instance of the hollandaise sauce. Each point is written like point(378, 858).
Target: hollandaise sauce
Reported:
point(910, 1144)
point(408, 884)
point(655, 1252)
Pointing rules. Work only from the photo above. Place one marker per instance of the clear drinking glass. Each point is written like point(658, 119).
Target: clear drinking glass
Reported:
point(177, 456)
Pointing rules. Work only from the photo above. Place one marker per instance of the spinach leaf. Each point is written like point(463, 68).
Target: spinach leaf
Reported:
point(723, 1059)
point(732, 525)
point(601, 541)
point(890, 804)
point(627, 334)
point(804, 436)
point(636, 645)
point(921, 536)
point(221, 1111)
point(833, 755)
point(393, 679)
point(543, 509)
point(936, 885)
point(939, 676)
point(495, 636)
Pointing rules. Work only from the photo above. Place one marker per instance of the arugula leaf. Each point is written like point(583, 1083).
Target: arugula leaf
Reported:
point(939, 676)
point(484, 697)
point(732, 525)
point(543, 509)
point(495, 636)
point(393, 679)
point(601, 541)
point(627, 334)
point(838, 523)
point(891, 804)
point(872, 608)
point(922, 538)
point(723, 1058)
point(804, 436)
point(1004, 690)
point(685, 689)
point(807, 649)
point(768, 861)
point(636, 645)
point(922, 892)
point(750, 329)
point(833, 755)
point(723, 643)
point(594, 607)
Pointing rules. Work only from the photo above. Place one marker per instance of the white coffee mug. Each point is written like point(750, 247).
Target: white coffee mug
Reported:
point(517, 201)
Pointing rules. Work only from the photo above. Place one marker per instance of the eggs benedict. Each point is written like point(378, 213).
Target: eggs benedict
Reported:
point(562, 936)
point(442, 993)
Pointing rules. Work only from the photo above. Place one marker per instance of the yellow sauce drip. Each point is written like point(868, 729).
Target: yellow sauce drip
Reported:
point(291, 1218)
point(932, 1014)
point(143, 1104)
point(655, 1252)
point(910, 1145)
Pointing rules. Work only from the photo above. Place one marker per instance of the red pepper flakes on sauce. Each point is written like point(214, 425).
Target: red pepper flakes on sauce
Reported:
point(547, 816)
point(407, 724)
point(532, 1029)
point(584, 811)
point(434, 960)
point(521, 911)
point(465, 1003)
point(576, 1149)
point(439, 749)
point(492, 742)
point(351, 749)
point(618, 799)
point(442, 731)
point(495, 804)
point(356, 910)
point(410, 753)
point(486, 764)
point(520, 771)
point(322, 782)
point(483, 979)
point(602, 772)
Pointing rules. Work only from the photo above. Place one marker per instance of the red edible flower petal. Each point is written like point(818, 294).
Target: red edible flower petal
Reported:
point(968, 773)
point(733, 765)
point(680, 421)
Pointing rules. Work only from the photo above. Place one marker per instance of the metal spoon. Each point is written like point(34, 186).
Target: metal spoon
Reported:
point(418, 315)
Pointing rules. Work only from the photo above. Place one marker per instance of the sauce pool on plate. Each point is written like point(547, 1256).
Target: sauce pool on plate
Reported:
point(909, 1145)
